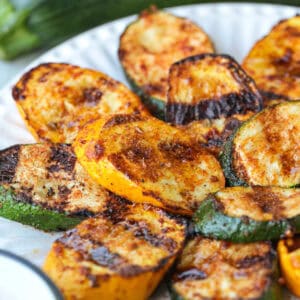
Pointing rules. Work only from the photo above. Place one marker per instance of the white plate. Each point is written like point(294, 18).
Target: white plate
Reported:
point(233, 27)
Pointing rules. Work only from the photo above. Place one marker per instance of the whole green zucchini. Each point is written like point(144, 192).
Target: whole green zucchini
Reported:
point(45, 23)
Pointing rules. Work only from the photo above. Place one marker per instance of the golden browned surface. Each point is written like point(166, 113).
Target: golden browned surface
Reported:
point(49, 175)
point(151, 44)
point(121, 254)
point(259, 203)
point(210, 269)
point(209, 86)
point(56, 99)
point(147, 160)
point(213, 133)
point(266, 150)
point(274, 61)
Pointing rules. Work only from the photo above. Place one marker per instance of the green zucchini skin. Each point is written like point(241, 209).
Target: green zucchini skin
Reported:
point(226, 159)
point(34, 215)
point(155, 106)
point(211, 222)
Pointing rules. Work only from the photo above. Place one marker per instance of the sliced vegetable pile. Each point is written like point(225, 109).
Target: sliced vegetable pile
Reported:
point(146, 187)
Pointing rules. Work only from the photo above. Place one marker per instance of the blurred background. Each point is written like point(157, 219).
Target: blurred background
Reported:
point(29, 27)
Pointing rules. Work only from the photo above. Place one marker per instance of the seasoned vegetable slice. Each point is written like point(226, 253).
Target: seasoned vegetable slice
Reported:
point(56, 99)
point(44, 186)
point(146, 160)
point(265, 150)
point(210, 269)
point(150, 45)
point(274, 61)
point(213, 133)
point(289, 258)
point(248, 214)
point(209, 86)
point(121, 254)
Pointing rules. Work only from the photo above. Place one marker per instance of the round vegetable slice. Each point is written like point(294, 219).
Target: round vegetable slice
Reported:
point(249, 214)
point(56, 99)
point(265, 150)
point(44, 186)
point(120, 254)
point(273, 62)
point(210, 269)
point(150, 45)
point(209, 86)
point(149, 161)
point(289, 258)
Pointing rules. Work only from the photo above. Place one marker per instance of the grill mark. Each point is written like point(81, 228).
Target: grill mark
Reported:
point(95, 251)
point(141, 230)
point(64, 192)
point(226, 106)
point(190, 274)
point(61, 158)
point(249, 261)
point(8, 163)
point(122, 119)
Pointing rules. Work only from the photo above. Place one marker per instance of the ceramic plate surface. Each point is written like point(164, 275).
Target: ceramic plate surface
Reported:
point(234, 28)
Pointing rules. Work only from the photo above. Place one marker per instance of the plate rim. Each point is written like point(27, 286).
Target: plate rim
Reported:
point(7, 87)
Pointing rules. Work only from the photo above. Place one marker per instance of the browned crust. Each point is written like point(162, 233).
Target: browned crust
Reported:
point(248, 98)
point(8, 163)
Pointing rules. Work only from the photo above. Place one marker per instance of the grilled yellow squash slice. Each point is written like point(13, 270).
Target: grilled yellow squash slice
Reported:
point(274, 61)
point(150, 45)
point(120, 254)
point(209, 86)
point(148, 161)
point(43, 185)
point(213, 133)
point(210, 269)
point(56, 99)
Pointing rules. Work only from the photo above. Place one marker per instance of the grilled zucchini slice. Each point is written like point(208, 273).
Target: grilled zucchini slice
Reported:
point(265, 150)
point(249, 214)
point(274, 61)
point(121, 254)
point(209, 86)
point(44, 186)
point(148, 161)
point(210, 269)
point(56, 99)
point(150, 45)
point(213, 133)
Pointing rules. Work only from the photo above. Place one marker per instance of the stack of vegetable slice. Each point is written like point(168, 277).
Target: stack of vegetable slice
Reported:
point(136, 179)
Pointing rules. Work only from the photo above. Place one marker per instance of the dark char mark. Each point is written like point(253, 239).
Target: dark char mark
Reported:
point(228, 105)
point(122, 119)
point(8, 163)
point(62, 158)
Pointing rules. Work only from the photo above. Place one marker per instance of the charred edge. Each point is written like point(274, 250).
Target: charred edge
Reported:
point(18, 91)
point(228, 105)
point(8, 163)
point(267, 96)
point(122, 119)
point(62, 158)
point(116, 208)
point(191, 274)
point(24, 195)
point(141, 231)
